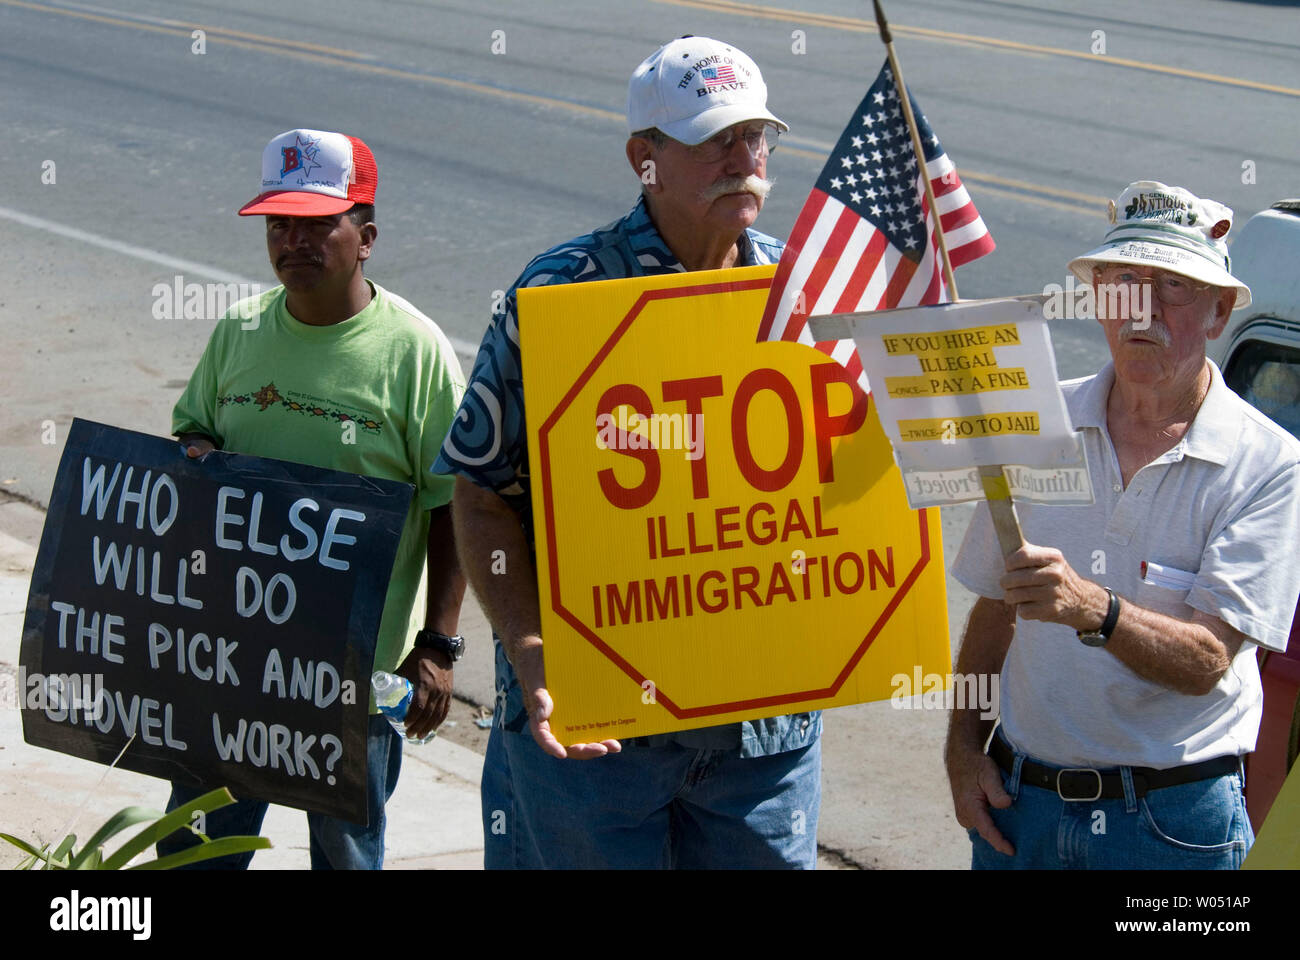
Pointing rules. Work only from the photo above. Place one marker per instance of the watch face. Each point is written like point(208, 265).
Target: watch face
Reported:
point(1093, 639)
point(454, 647)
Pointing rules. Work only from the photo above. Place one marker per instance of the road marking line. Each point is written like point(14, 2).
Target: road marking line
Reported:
point(341, 58)
point(126, 249)
point(1097, 209)
point(352, 59)
point(190, 267)
point(856, 25)
point(190, 27)
point(1082, 202)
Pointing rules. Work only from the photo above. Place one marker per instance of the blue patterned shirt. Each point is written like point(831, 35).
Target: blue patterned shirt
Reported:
point(488, 442)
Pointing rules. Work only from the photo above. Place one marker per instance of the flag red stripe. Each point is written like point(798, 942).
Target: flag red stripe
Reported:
point(943, 187)
point(935, 289)
point(798, 237)
point(972, 251)
point(959, 217)
point(862, 273)
point(897, 284)
point(827, 259)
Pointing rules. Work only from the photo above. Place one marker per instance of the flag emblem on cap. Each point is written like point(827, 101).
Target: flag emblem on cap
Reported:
point(713, 76)
point(300, 156)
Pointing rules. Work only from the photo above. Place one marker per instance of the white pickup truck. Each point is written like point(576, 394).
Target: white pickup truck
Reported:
point(1259, 354)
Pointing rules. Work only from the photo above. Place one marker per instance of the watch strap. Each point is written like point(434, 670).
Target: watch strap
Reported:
point(454, 647)
point(1099, 636)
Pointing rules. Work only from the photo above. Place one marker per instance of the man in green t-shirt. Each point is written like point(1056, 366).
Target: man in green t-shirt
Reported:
point(330, 369)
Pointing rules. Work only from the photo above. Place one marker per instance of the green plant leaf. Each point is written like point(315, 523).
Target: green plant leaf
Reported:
point(126, 817)
point(43, 856)
point(21, 844)
point(58, 860)
point(33, 857)
point(206, 851)
point(92, 862)
point(166, 825)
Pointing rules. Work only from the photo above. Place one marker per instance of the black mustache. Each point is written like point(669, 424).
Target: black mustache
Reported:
point(314, 261)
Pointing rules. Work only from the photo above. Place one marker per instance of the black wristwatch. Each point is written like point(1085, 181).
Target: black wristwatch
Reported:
point(1098, 637)
point(453, 647)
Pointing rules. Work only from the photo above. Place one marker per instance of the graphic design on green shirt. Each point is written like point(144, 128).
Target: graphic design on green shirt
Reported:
point(269, 395)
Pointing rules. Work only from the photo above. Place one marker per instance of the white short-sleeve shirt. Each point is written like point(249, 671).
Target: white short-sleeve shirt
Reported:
point(1210, 525)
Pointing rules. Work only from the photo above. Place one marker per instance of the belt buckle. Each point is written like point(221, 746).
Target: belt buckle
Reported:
point(1095, 773)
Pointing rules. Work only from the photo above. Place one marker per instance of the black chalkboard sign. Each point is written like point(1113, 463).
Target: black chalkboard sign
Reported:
point(223, 611)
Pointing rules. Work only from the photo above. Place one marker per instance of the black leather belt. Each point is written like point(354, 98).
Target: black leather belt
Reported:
point(1074, 783)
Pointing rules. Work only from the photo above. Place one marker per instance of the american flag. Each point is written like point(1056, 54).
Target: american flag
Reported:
point(716, 75)
point(864, 239)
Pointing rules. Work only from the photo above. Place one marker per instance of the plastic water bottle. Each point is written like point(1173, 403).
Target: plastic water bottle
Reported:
point(393, 697)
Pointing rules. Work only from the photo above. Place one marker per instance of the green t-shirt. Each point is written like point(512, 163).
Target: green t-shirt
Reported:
point(270, 386)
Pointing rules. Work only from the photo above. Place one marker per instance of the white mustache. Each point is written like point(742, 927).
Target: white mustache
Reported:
point(751, 184)
point(1150, 330)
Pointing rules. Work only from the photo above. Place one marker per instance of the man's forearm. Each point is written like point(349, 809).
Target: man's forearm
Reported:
point(446, 582)
point(1188, 657)
point(504, 581)
point(983, 649)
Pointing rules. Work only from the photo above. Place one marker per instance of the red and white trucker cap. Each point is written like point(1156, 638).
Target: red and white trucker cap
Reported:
point(695, 87)
point(314, 173)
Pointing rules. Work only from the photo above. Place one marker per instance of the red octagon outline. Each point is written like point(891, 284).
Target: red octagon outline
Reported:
point(552, 560)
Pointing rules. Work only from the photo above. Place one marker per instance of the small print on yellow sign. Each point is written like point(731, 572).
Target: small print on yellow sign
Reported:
point(970, 342)
point(951, 429)
point(721, 531)
point(953, 384)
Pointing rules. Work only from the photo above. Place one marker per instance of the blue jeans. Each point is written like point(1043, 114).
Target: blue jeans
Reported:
point(1194, 826)
point(336, 844)
point(650, 807)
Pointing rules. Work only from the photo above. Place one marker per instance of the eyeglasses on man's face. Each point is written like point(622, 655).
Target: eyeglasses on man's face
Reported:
point(760, 138)
point(1169, 288)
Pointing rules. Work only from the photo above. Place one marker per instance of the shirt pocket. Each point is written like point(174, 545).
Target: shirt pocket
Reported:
point(1164, 589)
point(1170, 578)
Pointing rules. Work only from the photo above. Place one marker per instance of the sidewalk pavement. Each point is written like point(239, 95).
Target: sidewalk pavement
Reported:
point(433, 817)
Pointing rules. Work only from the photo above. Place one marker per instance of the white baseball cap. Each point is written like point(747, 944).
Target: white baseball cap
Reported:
point(314, 173)
point(695, 87)
point(1169, 228)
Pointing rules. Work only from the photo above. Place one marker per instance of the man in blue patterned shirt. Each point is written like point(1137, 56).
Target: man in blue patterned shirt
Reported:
point(740, 795)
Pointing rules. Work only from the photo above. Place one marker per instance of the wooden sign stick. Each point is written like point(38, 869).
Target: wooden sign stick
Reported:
point(996, 489)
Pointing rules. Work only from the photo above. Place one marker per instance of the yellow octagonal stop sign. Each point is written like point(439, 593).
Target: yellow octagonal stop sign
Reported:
point(721, 531)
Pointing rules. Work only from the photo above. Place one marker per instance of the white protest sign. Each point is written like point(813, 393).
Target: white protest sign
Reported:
point(963, 385)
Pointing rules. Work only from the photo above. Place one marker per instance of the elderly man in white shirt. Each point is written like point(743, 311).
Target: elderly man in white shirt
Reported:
point(1129, 697)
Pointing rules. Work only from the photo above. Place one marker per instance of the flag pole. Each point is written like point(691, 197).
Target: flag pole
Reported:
point(993, 478)
point(917, 148)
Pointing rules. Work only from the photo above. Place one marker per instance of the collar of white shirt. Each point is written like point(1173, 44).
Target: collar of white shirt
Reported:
point(1213, 435)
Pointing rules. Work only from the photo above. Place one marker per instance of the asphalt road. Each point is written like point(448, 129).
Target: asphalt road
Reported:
point(127, 153)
